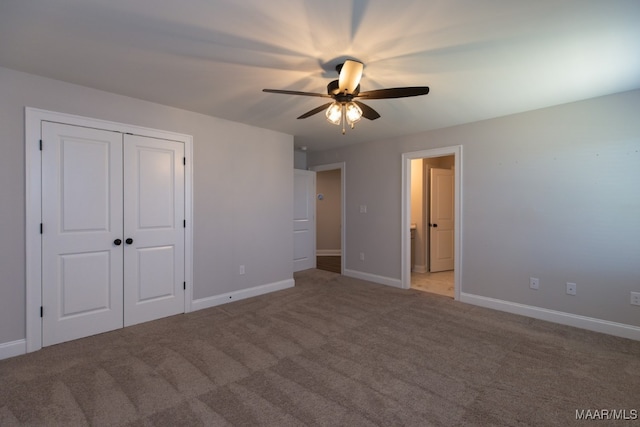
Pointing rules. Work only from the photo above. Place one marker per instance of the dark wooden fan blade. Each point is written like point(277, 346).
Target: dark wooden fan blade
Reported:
point(295, 92)
point(367, 112)
point(315, 111)
point(396, 92)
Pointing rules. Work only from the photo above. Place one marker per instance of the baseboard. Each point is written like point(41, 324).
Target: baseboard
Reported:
point(328, 252)
point(583, 322)
point(13, 348)
point(216, 300)
point(388, 281)
point(419, 269)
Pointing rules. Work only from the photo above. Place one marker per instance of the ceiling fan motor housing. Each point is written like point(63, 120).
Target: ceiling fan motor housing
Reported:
point(333, 89)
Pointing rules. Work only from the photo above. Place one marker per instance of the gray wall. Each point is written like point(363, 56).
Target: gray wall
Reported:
point(300, 159)
point(553, 193)
point(243, 189)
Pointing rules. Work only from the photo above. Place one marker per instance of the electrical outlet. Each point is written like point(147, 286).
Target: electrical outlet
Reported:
point(242, 269)
point(361, 256)
point(635, 298)
point(363, 208)
point(571, 288)
point(534, 283)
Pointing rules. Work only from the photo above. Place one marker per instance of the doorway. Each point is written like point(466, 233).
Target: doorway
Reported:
point(432, 225)
point(431, 194)
point(330, 197)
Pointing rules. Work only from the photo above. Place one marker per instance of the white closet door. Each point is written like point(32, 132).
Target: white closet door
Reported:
point(153, 228)
point(82, 288)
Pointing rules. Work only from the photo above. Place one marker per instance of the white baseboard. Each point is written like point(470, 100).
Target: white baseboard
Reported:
point(13, 348)
point(396, 283)
point(216, 300)
point(328, 252)
point(419, 269)
point(583, 322)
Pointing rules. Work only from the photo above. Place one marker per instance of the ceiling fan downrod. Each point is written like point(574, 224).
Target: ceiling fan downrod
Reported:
point(344, 118)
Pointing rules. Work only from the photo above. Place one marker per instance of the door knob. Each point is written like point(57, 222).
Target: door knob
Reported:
point(117, 242)
point(433, 225)
point(129, 241)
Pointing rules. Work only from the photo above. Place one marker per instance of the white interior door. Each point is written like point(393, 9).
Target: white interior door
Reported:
point(82, 283)
point(304, 223)
point(153, 228)
point(441, 220)
point(113, 230)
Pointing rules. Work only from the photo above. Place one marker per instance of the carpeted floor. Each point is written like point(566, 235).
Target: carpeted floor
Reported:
point(332, 351)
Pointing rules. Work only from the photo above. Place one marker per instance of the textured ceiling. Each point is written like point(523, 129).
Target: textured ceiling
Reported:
point(481, 58)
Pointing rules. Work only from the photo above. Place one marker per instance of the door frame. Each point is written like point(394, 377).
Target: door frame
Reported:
point(343, 198)
point(33, 179)
point(405, 270)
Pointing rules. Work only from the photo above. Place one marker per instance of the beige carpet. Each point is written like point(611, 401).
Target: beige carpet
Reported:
point(332, 351)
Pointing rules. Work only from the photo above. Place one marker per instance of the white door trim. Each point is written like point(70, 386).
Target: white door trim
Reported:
point(406, 213)
point(33, 119)
point(343, 218)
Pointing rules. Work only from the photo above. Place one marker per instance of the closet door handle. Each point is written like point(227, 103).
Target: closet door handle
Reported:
point(129, 241)
point(117, 242)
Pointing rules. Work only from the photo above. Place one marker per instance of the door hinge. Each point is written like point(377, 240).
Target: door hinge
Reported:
point(184, 223)
point(41, 228)
point(184, 161)
point(41, 311)
point(184, 285)
point(40, 145)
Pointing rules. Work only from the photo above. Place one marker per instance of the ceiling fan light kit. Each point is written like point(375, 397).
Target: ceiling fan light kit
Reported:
point(334, 113)
point(346, 112)
point(353, 113)
point(344, 108)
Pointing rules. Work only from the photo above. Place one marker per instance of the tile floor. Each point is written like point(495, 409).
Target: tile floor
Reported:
point(440, 283)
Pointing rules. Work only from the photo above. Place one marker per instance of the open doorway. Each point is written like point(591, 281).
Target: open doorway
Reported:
point(431, 220)
point(330, 196)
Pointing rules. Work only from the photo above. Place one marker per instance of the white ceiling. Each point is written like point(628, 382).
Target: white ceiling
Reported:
point(481, 58)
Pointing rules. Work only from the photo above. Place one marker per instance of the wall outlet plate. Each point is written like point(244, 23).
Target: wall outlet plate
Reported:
point(534, 283)
point(635, 298)
point(571, 288)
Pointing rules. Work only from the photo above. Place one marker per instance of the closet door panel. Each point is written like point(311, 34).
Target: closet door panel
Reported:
point(82, 282)
point(153, 215)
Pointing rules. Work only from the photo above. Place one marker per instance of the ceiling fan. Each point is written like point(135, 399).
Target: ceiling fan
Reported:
point(346, 90)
